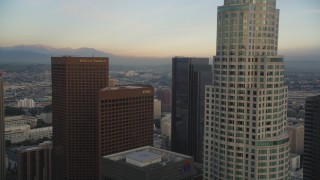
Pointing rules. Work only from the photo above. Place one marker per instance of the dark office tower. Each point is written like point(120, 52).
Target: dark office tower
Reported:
point(311, 159)
point(246, 108)
point(126, 118)
point(34, 163)
point(76, 82)
point(189, 77)
point(2, 141)
point(164, 95)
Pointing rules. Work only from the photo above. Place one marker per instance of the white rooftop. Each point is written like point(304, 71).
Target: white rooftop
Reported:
point(143, 156)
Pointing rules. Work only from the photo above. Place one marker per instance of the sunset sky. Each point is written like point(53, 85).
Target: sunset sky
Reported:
point(158, 28)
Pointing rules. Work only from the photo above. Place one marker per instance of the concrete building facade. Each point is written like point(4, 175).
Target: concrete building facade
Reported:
point(17, 134)
point(246, 108)
point(21, 120)
point(296, 138)
point(39, 133)
point(27, 103)
point(157, 109)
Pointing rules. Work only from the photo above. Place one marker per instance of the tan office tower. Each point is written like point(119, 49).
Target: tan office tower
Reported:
point(296, 138)
point(34, 163)
point(76, 82)
point(2, 128)
point(126, 118)
point(245, 126)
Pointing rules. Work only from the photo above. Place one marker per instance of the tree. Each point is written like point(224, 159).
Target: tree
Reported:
point(13, 111)
point(8, 143)
point(157, 123)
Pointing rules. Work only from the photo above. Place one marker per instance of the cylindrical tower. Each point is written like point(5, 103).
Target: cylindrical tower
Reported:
point(246, 126)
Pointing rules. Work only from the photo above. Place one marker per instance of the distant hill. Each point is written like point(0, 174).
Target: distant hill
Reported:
point(297, 60)
point(41, 54)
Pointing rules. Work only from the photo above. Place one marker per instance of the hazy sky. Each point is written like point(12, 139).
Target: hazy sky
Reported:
point(144, 27)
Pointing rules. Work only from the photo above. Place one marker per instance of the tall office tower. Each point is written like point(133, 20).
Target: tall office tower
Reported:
point(296, 138)
point(34, 163)
point(189, 78)
point(2, 128)
point(76, 82)
point(125, 118)
point(246, 107)
point(311, 159)
point(164, 95)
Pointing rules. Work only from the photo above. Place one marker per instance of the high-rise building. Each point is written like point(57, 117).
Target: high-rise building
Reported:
point(125, 118)
point(189, 78)
point(157, 109)
point(296, 138)
point(311, 158)
point(246, 108)
point(164, 95)
point(2, 129)
point(76, 82)
point(34, 163)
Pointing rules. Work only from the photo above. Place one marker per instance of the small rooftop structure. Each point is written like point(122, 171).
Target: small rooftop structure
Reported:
point(143, 158)
point(148, 163)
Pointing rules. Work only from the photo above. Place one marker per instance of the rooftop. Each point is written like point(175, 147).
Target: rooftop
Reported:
point(298, 125)
point(143, 156)
point(156, 157)
point(124, 87)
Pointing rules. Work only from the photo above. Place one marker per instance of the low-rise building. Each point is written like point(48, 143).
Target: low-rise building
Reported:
point(165, 125)
point(21, 120)
point(27, 103)
point(295, 162)
point(40, 133)
point(46, 117)
point(156, 109)
point(147, 163)
point(297, 174)
point(17, 134)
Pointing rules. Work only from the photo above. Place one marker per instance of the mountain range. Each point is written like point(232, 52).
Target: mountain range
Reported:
point(41, 54)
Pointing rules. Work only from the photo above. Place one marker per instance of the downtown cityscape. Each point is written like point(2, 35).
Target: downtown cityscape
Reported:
point(248, 109)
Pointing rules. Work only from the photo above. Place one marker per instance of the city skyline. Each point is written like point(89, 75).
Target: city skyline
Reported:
point(145, 28)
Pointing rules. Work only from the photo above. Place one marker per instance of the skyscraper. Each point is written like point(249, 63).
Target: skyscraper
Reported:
point(2, 128)
point(245, 126)
point(125, 118)
point(311, 159)
point(164, 95)
point(76, 82)
point(189, 78)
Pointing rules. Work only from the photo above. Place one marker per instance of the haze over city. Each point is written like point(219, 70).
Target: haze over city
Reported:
point(146, 27)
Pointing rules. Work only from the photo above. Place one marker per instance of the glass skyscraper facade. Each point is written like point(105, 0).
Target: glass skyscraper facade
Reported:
point(189, 78)
point(311, 158)
point(245, 123)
